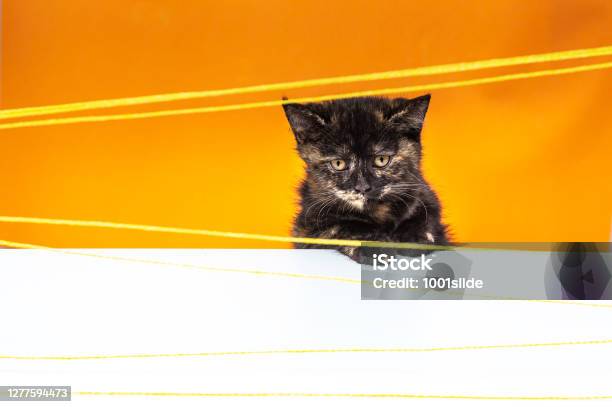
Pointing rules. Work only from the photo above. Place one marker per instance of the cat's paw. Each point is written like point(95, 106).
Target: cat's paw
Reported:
point(363, 255)
point(354, 253)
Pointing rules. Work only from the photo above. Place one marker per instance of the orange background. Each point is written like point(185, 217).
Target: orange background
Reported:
point(519, 161)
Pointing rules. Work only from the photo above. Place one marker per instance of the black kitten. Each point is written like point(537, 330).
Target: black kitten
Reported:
point(363, 172)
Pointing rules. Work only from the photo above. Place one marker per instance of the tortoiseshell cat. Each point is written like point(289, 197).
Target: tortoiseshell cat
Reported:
point(363, 172)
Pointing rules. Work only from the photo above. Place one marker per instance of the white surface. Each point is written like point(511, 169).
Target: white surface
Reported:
point(58, 304)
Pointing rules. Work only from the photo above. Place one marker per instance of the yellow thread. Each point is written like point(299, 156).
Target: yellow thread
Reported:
point(309, 351)
point(342, 395)
point(253, 105)
point(568, 302)
point(403, 73)
point(255, 236)
point(211, 233)
point(17, 245)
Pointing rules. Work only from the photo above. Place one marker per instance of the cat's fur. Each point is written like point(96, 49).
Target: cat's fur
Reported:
point(364, 202)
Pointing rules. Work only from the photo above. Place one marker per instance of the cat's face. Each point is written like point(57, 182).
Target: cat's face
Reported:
point(360, 151)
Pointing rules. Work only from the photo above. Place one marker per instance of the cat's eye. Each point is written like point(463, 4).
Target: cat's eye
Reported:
point(338, 165)
point(381, 160)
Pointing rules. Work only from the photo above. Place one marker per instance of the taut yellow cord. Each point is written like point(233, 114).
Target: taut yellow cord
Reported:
point(345, 395)
point(18, 245)
point(253, 105)
point(308, 351)
point(212, 233)
point(402, 73)
point(273, 238)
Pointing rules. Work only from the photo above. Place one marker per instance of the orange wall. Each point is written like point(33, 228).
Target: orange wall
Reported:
point(518, 161)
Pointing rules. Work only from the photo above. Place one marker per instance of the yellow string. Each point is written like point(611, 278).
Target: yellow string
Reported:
point(18, 245)
point(212, 233)
point(13, 244)
point(402, 73)
point(568, 302)
point(309, 351)
point(344, 395)
point(271, 238)
point(253, 105)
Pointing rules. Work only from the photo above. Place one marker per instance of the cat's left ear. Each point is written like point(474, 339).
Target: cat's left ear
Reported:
point(409, 114)
point(304, 120)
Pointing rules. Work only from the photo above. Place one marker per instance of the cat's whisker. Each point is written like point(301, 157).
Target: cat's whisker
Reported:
point(422, 203)
point(398, 195)
point(327, 203)
point(402, 184)
point(419, 180)
point(326, 196)
point(389, 189)
point(393, 194)
point(321, 205)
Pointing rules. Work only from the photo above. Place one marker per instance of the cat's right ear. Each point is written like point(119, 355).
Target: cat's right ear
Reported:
point(304, 122)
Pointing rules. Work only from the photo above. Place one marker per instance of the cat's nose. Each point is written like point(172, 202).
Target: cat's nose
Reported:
point(362, 187)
